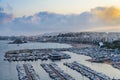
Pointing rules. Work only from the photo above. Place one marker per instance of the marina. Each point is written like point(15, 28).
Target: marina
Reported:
point(98, 55)
point(10, 67)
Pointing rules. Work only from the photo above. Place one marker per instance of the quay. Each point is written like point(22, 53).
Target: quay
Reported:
point(86, 71)
point(55, 72)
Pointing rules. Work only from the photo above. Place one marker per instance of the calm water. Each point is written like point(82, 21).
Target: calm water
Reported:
point(8, 70)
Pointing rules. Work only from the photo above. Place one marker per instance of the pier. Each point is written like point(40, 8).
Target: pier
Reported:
point(86, 71)
point(55, 72)
point(21, 73)
point(26, 72)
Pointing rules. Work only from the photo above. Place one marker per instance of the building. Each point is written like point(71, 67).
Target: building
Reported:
point(55, 56)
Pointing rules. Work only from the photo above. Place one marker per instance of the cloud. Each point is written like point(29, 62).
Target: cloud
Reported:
point(8, 7)
point(109, 14)
point(5, 18)
point(101, 18)
point(1, 9)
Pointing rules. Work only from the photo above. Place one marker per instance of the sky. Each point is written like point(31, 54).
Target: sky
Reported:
point(34, 17)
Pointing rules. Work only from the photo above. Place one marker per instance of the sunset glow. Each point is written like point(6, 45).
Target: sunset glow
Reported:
point(110, 14)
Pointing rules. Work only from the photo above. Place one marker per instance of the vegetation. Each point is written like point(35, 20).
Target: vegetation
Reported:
point(113, 45)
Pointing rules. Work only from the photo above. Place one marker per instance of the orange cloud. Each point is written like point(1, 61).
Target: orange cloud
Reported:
point(109, 14)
